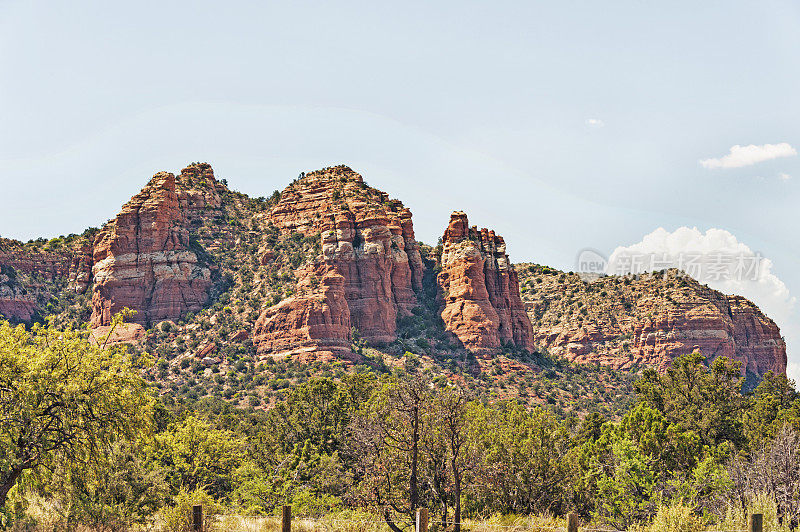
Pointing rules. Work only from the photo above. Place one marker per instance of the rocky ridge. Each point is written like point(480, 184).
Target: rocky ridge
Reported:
point(239, 296)
point(30, 276)
point(17, 303)
point(649, 320)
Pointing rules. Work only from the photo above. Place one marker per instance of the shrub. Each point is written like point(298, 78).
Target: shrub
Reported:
point(675, 518)
point(736, 519)
point(178, 518)
point(312, 504)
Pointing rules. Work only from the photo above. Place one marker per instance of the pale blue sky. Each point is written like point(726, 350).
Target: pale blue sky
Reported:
point(445, 105)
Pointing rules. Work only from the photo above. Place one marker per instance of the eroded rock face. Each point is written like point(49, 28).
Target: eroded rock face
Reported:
point(718, 325)
point(123, 333)
point(79, 275)
point(480, 297)
point(757, 339)
point(27, 278)
point(370, 259)
point(143, 259)
point(624, 322)
point(45, 264)
point(15, 305)
point(316, 319)
point(196, 188)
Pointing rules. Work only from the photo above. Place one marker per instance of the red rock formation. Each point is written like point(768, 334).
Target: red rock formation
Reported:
point(79, 275)
point(651, 321)
point(146, 260)
point(367, 241)
point(757, 339)
point(25, 275)
point(197, 191)
point(121, 334)
point(316, 319)
point(207, 350)
point(718, 325)
point(240, 336)
point(481, 304)
point(142, 259)
point(15, 304)
point(46, 264)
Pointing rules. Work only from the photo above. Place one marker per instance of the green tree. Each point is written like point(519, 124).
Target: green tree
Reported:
point(775, 403)
point(448, 454)
point(521, 469)
point(705, 400)
point(65, 398)
point(669, 448)
point(318, 411)
point(118, 490)
point(299, 451)
point(625, 486)
point(196, 455)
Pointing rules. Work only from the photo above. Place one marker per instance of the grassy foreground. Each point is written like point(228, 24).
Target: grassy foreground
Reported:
point(676, 518)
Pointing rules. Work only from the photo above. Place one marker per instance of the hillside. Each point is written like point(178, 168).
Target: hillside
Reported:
point(239, 297)
point(647, 320)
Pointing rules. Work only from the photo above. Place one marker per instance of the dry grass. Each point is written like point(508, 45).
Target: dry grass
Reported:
point(681, 518)
point(365, 522)
point(515, 523)
point(48, 517)
point(344, 522)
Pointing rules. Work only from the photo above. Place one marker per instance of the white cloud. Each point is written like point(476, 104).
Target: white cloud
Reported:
point(719, 259)
point(740, 156)
point(595, 122)
point(784, 176)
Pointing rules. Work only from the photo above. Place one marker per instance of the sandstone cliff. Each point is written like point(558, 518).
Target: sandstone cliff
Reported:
point(317, 319)
point(143, 259)
point(369, 260)
point(297, 272)
point(481, 302)
point(17, 303)
point(624, 321)
point(31, 276)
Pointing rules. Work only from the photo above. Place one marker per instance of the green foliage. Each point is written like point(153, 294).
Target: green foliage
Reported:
point(775, 403)
point(690, 451)
point(298, 455)
point(64, 399)
point(706, 401)
point(521, 459)
point(178, 517)
point(625, 490)
point(116, 491)
point(195, 455)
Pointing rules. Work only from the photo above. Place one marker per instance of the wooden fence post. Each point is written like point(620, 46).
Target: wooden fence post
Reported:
point(756, 522)
point(572, 522)
point(422, 520)
point(286, 519)
point(197, 518)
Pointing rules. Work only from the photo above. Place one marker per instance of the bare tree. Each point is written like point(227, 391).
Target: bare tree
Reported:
point(388, 436)
point(445, 446)
point(773, 469)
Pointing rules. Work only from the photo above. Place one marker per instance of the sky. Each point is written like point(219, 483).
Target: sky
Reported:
point(664, 128)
